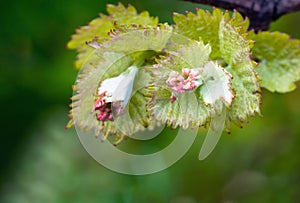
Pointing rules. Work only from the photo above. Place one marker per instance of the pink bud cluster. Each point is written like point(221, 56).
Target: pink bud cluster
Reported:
point(188, 80)
point(104, 108)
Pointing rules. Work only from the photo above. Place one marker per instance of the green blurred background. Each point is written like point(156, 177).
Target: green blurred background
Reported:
point(42, 162)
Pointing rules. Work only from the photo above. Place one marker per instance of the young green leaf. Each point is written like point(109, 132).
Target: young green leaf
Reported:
point(177, 78)
point(235, 50)
point(279, 60)
point(205, 25)
point(110, 94)
point(227, 37)
point(98, 28)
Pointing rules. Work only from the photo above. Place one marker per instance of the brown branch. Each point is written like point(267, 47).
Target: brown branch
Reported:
point(260, 12)
point(287, 6)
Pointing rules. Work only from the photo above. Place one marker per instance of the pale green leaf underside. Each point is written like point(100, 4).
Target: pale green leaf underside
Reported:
point(216, 84)
point(135, 117)
point(86, 88)
point(224, 36)
point(279, 60)
point(111, 60)
point(236, 53)
point(189, 109)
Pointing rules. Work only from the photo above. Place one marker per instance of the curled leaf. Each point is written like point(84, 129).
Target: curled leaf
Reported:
point(235, 50)
point(109, 95)
point(216, 84)
point(177, 77)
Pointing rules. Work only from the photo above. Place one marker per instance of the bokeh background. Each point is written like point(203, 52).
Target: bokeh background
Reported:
point(42, 162)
